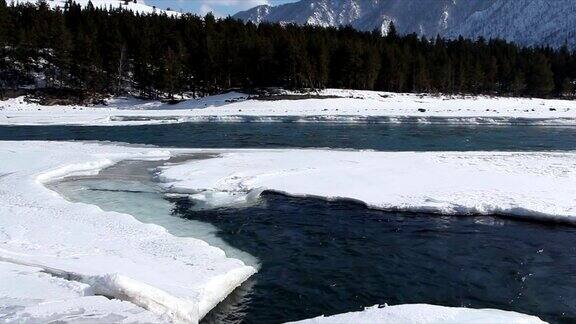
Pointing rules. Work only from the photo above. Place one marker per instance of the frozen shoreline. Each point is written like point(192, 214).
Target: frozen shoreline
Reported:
point(331, 105)
point(531, 185)
point(79, 255)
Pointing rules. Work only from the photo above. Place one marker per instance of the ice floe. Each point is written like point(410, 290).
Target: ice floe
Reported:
point(426, 314)
point(535, 185)
point(76, 255)
point(30, 295)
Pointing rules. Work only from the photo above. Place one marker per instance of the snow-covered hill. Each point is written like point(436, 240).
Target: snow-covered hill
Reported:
point(139, 6)
point(529, 22)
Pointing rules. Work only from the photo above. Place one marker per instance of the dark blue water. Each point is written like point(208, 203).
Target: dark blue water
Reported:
point(403, 137)
point(323, 257)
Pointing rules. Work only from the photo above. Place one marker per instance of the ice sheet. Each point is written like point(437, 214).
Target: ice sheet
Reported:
point(101, 253)
point(538, 185)
point(426, 314)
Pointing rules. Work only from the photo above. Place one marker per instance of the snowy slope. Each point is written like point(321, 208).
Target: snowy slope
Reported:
point(139, 6)
point(332, 105)
point(426, 314)
point(73, 254)
point(535, 22)
point(529, 22)
point(317, 12)
point(524, 185)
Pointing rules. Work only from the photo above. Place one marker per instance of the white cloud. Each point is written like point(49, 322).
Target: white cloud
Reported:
point(204, 9)
point(235, 4)
point(221, 8)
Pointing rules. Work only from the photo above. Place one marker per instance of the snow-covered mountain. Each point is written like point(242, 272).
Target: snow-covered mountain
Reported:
point(529, 22)
point(136, 6)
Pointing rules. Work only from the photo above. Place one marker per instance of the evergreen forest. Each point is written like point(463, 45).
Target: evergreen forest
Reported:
point(114, 51)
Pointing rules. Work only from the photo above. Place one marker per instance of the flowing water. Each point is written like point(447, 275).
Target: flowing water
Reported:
point(384, 137)
point(318, 257)
point(321, 257)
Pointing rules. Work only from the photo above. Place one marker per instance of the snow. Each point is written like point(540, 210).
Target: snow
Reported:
point(533, 23)
point(335, 105)
point(426, 314)
point(76, 255)
point(535, 185)
point(139, 7)
point(28, 295)
point(527, 22)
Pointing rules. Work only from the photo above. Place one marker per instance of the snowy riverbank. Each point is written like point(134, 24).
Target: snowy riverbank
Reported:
point(61, 260)
point(331, 105)
point(531, 185)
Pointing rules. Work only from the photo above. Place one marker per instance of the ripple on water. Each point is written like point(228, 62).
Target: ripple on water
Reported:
point(320, 257)
point(389, 137)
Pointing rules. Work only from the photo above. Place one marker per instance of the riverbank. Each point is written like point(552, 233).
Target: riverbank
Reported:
point(330, 105)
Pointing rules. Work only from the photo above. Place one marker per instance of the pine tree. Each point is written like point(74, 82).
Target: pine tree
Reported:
point(392, 34)
point(518, 85)
point(540, 80)
point(113, 51)
point(420, 75)
point(4, 22)
point(568, 88)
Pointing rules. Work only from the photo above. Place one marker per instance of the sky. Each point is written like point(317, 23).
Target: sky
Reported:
point(220, 8)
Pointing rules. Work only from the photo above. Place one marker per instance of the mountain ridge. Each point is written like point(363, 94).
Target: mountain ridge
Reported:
point(526, 22)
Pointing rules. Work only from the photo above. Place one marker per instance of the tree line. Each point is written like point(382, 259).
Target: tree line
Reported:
point(115, 51)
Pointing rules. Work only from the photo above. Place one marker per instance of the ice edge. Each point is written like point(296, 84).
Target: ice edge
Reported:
point(114, 285)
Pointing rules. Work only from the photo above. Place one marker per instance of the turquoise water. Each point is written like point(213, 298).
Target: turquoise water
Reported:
point(385, 137)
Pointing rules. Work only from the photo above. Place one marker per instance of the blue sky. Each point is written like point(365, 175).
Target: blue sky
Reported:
point(220, 8)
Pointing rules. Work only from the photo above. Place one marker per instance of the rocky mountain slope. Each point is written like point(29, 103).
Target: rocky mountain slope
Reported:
point(528, 22)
